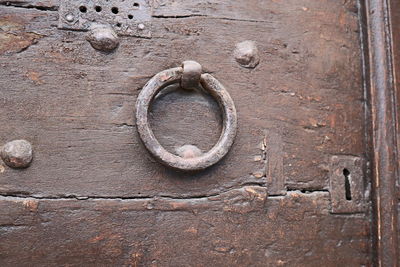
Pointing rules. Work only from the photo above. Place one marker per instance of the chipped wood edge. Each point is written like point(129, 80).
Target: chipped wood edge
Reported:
point(383, 133)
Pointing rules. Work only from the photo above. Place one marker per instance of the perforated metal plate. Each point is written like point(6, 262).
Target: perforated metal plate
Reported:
point(127, 17)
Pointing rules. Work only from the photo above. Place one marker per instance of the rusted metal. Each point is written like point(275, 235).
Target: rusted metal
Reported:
point(246, 54)
point(191, 74)
point(346, 184)
point(103, 38)
point(212, 86)
point(127, 18)
point(17, 154)
point(384, 157)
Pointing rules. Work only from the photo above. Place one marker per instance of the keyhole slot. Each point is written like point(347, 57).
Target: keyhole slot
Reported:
point(347, 180)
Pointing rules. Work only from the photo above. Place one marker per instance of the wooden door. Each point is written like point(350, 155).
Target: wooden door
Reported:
point(294, 188)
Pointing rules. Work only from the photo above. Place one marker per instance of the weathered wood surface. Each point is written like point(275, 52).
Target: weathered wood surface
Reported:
point(395, 31)
point(302, 104)
point(385, 167)
point(76, 105)
point(238, 228)
point(395, 27)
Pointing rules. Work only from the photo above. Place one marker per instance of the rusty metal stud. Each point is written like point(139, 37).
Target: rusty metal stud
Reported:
point(191, 74)
point(189, 159)
point(246, 54)
point(17, 154)
point(103, 38)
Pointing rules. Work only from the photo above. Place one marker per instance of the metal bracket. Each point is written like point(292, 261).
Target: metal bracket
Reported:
point(191, 74)
point(130, 18)
point(346, 184)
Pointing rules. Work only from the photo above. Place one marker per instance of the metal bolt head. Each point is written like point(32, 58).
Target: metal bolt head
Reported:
point(188, 151)
point(69, 18)
point(246, 54)
point(103, 38)
point(17, 154)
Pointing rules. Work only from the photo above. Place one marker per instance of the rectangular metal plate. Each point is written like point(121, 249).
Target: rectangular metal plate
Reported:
point(126, 17)
point(346, 184)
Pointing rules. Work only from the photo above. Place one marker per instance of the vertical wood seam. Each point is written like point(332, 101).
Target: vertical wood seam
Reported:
point(383, 135)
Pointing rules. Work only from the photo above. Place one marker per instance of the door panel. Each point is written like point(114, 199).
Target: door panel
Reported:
point(76, 105)
point(94, 195)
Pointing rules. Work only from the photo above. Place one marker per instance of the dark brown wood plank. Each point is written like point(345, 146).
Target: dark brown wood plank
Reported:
point(383, 132)
point(395, 31)
point(237, 228)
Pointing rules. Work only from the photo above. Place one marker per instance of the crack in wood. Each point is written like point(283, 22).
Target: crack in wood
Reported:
point(177, 16)
point(28, 6)
point(25, 195)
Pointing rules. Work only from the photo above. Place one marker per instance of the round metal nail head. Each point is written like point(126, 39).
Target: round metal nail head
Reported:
point(17, 154)
point(246, 54)
point(103, 38)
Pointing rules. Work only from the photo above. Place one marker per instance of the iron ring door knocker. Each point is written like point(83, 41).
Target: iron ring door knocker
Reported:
point(189, 75)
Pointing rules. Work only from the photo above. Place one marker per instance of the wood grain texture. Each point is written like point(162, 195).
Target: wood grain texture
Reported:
point(76, 105)
point(238, 228)
point(37, 4)
point(273, 147)
point(395, 32)
point(383, 113)
point(93, 195)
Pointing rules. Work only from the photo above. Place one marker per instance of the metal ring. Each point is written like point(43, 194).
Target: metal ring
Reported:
point(212, 86)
